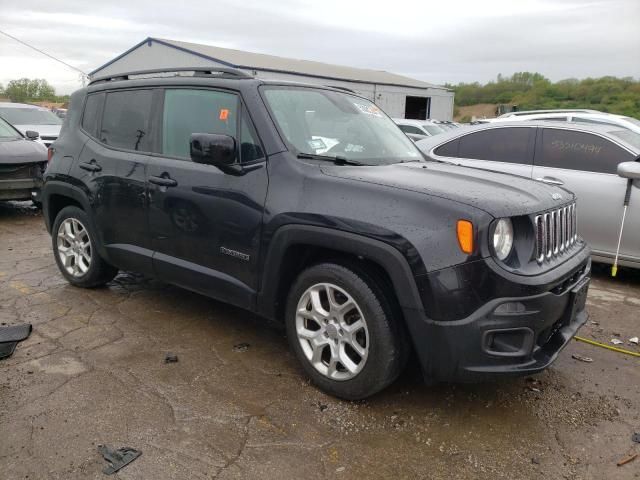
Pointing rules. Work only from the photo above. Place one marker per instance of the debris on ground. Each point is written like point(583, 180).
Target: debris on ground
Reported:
point(117, 458)
point(10, 336)
point(241, 347)
point(581, 358)
point(616, 341)
point(635, 437)
point(634, 340)
point(170, 358)
point(627, 459)
point(535, 461)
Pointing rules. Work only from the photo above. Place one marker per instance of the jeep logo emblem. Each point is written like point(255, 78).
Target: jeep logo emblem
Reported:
point(556, 196)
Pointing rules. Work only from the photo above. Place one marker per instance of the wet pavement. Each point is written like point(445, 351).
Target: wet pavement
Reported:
point(235, 404)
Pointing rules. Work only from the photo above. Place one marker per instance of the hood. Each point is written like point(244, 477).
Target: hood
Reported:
point(22, 151)
point(499, 194)
point(43, 130)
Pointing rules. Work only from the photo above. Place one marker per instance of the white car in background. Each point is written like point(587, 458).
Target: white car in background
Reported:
point(31, 117)
point(427, 128)
point(574, 116)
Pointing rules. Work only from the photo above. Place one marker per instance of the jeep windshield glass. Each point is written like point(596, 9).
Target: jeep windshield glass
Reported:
point(29, 116)
point(328, 123)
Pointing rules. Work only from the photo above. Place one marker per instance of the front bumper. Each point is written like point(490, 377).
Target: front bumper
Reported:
point(509, 335)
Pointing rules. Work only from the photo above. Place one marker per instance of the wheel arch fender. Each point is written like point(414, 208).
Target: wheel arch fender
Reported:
point(384, 255)
point(53, 189)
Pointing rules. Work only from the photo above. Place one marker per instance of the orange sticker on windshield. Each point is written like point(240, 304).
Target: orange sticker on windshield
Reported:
point(224, 114)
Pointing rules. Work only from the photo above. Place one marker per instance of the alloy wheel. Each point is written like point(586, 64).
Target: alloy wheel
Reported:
point(74, 247)
point(332, 331)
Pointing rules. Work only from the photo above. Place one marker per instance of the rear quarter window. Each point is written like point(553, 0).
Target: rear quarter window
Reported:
point(579, 151)
point(91, 113)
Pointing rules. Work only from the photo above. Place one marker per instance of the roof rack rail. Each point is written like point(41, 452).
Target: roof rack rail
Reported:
point(197, 72)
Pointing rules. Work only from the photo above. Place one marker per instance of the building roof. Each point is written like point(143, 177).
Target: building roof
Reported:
point(271, 63)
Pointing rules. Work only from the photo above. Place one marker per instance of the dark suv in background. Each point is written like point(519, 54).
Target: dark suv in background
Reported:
point(309, 205)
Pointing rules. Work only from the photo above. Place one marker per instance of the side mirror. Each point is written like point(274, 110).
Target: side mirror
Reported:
point(629, 170)
point(213, 149)
point(31, 135)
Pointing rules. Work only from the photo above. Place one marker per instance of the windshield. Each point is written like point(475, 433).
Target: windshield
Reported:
point(432, 129)
point(631, 137)
point(323, 122)
point(6, 131)
point(29, 116)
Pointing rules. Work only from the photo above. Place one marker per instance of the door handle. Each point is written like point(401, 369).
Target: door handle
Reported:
point(550, 180)
point(91, 166)
point(163, 181)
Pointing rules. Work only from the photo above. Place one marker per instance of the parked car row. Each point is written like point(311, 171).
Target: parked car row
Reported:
point(421, 129)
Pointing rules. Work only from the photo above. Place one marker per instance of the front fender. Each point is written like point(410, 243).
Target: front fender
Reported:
point(385, 255)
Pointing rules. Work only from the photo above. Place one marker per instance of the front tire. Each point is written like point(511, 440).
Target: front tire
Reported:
point(344, 331)
point(73, 241)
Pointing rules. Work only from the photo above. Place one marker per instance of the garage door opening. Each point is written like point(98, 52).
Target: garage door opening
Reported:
point(417, 108)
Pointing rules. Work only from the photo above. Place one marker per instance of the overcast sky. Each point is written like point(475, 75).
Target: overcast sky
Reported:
point(436, 41)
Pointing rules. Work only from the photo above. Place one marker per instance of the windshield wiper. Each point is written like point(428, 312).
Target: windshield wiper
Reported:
point(338, 160)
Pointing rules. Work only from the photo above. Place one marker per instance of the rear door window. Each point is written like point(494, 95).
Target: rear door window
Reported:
point(579, 151)
point(188, 111)
point(90, 117)
point(510, 145)
point(126, 121)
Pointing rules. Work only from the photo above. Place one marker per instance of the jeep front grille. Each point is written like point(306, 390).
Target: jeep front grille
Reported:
point(556, 231)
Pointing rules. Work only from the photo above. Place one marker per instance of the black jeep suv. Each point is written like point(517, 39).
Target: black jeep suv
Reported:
point(309, 205)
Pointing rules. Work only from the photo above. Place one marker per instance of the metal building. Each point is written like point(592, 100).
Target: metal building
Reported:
point(398, 96)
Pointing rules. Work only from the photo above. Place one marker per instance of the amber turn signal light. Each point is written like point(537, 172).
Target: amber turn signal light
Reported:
point(465, 236)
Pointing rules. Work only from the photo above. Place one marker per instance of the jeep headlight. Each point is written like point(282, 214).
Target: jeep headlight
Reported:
point(503, 238)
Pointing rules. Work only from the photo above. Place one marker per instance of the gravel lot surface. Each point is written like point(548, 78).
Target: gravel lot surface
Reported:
point(93, 372)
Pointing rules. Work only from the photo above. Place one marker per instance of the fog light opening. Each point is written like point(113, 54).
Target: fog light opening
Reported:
point(512, 342)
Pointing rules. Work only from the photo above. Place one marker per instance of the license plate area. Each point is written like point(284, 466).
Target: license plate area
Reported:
point(577, 301)
point(578, 298)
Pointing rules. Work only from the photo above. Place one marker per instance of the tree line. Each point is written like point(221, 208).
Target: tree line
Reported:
point(531, 91)
point(25, 90)
point(527, 90)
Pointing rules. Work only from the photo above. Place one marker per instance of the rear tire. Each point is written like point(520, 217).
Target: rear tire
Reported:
point(345, 331)
point(73, 241)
